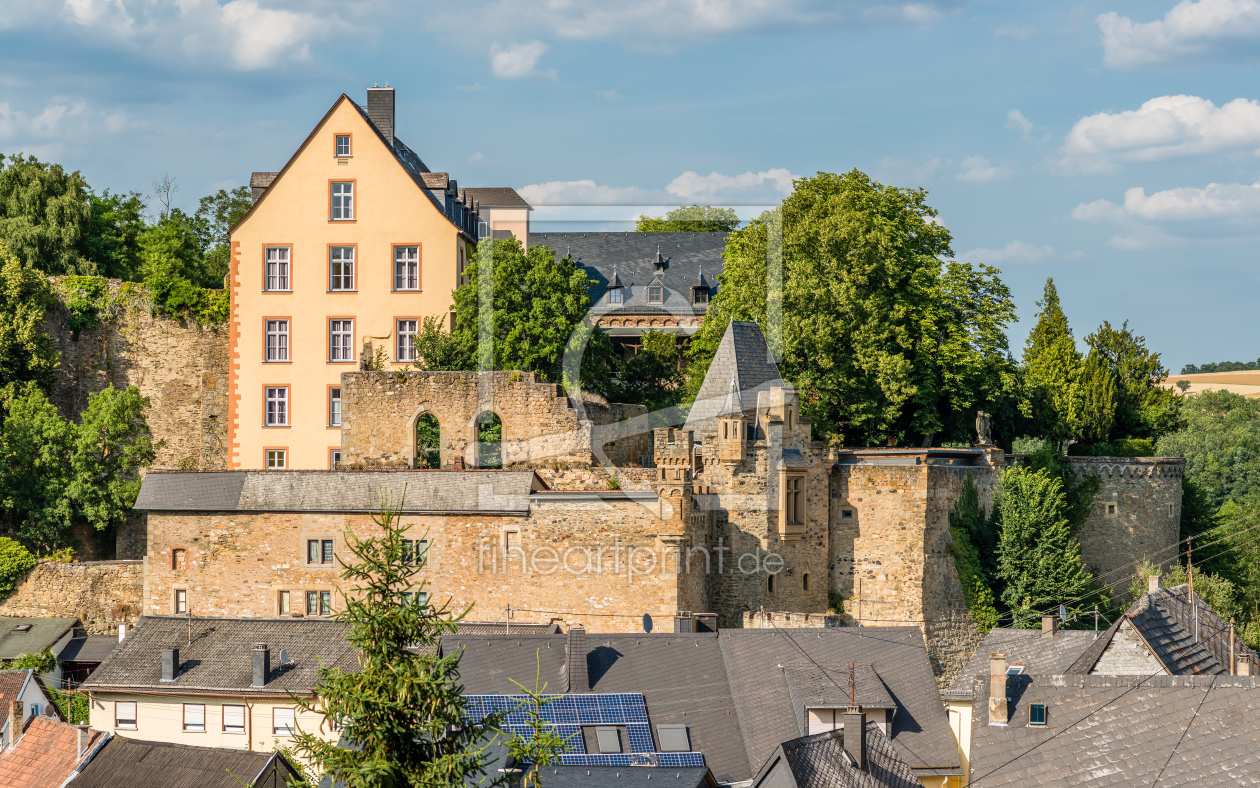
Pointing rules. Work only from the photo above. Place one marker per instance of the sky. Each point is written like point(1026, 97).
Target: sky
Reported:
point(1111, 145)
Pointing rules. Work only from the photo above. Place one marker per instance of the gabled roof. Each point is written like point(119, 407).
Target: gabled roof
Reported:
point(1120, 730)
point(626, 777)
point(94, 648)
point(20, 636)
point(819, 761)
point(817, 687)
point(743, 361)
point(46, 754)
point(494, 197)
point(11, 684)
point(505, 491)
point(129, 763)
point(1165, 619)
point(1038, 655)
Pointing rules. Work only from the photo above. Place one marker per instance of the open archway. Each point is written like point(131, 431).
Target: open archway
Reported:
point(428, 442)
point(489, 440)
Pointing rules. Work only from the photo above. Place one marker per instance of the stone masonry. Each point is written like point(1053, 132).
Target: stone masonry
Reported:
point(101, 594)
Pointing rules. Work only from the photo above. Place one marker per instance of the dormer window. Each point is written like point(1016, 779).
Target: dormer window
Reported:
point(656, 294)
point(699, 295)
point(615, 295)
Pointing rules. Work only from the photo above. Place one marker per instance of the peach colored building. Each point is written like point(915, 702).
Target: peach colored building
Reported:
point(346, 250)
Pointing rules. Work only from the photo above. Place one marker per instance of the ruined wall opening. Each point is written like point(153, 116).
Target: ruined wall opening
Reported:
point(428, 442)
point(489, 440)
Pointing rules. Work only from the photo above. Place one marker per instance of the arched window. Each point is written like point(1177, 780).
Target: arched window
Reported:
point(805, 582)
point(769, 584)
point(428, 442)
point(489, 437)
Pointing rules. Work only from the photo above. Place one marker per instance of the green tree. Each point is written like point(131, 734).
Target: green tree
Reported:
point(1216, 591)
point(542, 746)
point(1039, 561)
point(44, 213)
point(881, 338)
point(28, 361)
point(15, 562)
point(972, 537)
point(1093, 401)
point(653, 376)
point(34, 451)
point(402, 713)
point(690, 219)
point(111, 240)
point(1143, 408)
point(438, 350)
point(111, 445)
point(216, 214)
point(1221, 443)
point(1051, 364)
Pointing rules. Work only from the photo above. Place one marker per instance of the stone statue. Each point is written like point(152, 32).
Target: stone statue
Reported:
point(984, 427)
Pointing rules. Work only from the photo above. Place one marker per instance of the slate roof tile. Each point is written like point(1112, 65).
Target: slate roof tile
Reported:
point(1027, 647)
point(42, 633)
point(742, 356)
point(129, 763)
point(819, 761)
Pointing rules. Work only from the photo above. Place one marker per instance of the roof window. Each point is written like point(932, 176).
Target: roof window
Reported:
point(21, 629)
point(656, 294)
point(1037, 714)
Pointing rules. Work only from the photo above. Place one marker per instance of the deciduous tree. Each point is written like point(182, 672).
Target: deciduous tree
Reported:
point(44, 213)
point(690, 219)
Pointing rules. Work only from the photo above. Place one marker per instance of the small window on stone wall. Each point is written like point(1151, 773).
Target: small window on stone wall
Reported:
point(1170, 510)
point(283, 603)
point(805, 582)
point(770, 584)
point(177, 558)
point(846, 514)
point(1111, 510)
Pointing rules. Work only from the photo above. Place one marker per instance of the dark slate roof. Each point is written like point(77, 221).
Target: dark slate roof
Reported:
point(493, 197)
point(819, 761)
point(43, 633)
point(219, 659)
point(681, 677)
point(634, 257)
point(337, 491)
point(743, 356)
point(1197, 731)
point(94, 648)
point(624, 777)
point(1039, 655)
point(829, 688)
point(1165, 619)
point(499, 628)
point(920, 729)
point(129, 763)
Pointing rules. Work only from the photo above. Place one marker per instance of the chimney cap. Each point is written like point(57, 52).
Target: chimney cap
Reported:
point(1152, 583)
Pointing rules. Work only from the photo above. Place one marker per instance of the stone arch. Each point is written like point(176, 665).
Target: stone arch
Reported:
point(413, 429)
point(426, 432)
point(488, 429)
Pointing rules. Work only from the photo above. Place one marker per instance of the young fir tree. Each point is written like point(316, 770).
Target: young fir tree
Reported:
point(1051, 362)
point(401, 714)
point(1039, 561)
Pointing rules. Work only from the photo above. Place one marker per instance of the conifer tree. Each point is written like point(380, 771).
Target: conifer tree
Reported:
point(1051, 364)
point(1039, 561)
point(1093, 406)
point(401, 715)
point(972, 542)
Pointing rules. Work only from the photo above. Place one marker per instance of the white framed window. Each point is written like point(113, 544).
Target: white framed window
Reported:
point(277, 268)
point(407, 340)
point(656, 294)
point(341, 340)
point(342, 200)
point(282, 603)
point(615, 295)
point(195, 717)
point(277, 459)
point(406, 268)
point(233, 718)
point(341, 268)
point(282, 722)
point(334, 459)
point(343, 144)
point(334, 406)
point(181, 601)
point(125, 714)
point(277, 343)
point(277, 413)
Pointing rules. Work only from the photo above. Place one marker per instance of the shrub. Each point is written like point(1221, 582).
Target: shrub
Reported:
point(15, 561)
point(42, 662)
point(72, 705)
point(86, 297)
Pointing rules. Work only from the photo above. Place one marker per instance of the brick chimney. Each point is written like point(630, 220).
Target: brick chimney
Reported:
point(380, 110)
point(575, 660)
point(170, 664)
point(1049, 626)
point(1244, 667)
point(85, 736)
point(262, 665)
point(997, 689)
point(855, 736)
point(1152, 584)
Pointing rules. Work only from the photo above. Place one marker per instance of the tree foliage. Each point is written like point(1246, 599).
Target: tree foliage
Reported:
point(15, 562)
point(1143, 408)
point(972, 537)
point(1221, 366)
point(652, 376)
point(690, 219)
point(112, 238)
point(44, 214)
point(1051, 365)
point(27, 358)
point(1221, 443)
point(402, 713)
point(881, 337)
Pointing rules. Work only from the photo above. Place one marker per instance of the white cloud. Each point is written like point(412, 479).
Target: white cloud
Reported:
point(1162, 128)
point(1190, 31)
point(750, 188)
point(248, 35)
point(1013, 252)
point(59, 119)
point(1214, 201)
point(978, 169)
point(518, 61)
point(610, 95)
point(1016, 121)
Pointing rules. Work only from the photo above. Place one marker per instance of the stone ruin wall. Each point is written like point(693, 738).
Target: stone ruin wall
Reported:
point(101, 594)
point(542, 428)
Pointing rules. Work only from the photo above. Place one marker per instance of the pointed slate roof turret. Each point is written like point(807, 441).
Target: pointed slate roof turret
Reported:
point(743, 361)
point(732, 407)
point(615, 281)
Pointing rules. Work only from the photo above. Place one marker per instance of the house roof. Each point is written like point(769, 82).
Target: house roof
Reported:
point(129, 763)
point(20, 636)
point(819, 761)
point(1039, 655)
point(1121, 730)
point(625, 777)
point(218, 659)
point(829, 687)
point(93, 648)
point(1166, 620)
point(920, 728)
point(634, 257)
point(493, 197)
point(481, 491)
point(46, 754)
point(742, 357)
point(11, 684)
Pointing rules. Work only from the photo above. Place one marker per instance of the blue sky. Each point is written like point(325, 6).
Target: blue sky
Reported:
point(1113, 145)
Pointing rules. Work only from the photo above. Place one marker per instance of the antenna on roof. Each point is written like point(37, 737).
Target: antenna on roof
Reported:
point(284, 656)
point(852, 686)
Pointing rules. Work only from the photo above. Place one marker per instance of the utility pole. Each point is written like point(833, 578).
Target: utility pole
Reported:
point(1189, 567)
point(507, 620)
point(1231, 645)
point(1095, 620)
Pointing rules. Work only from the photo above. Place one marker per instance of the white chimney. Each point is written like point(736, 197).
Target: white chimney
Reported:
point(1152, 583)
point(122, 632)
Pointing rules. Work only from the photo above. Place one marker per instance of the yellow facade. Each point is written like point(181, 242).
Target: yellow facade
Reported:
point(294, 219)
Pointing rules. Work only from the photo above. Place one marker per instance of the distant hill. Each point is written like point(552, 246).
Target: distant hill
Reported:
point(1245, 382)
point(1221, 366)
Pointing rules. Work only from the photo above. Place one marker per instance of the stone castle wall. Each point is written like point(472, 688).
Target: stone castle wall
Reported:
point(101, 594)
point(181, 367)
